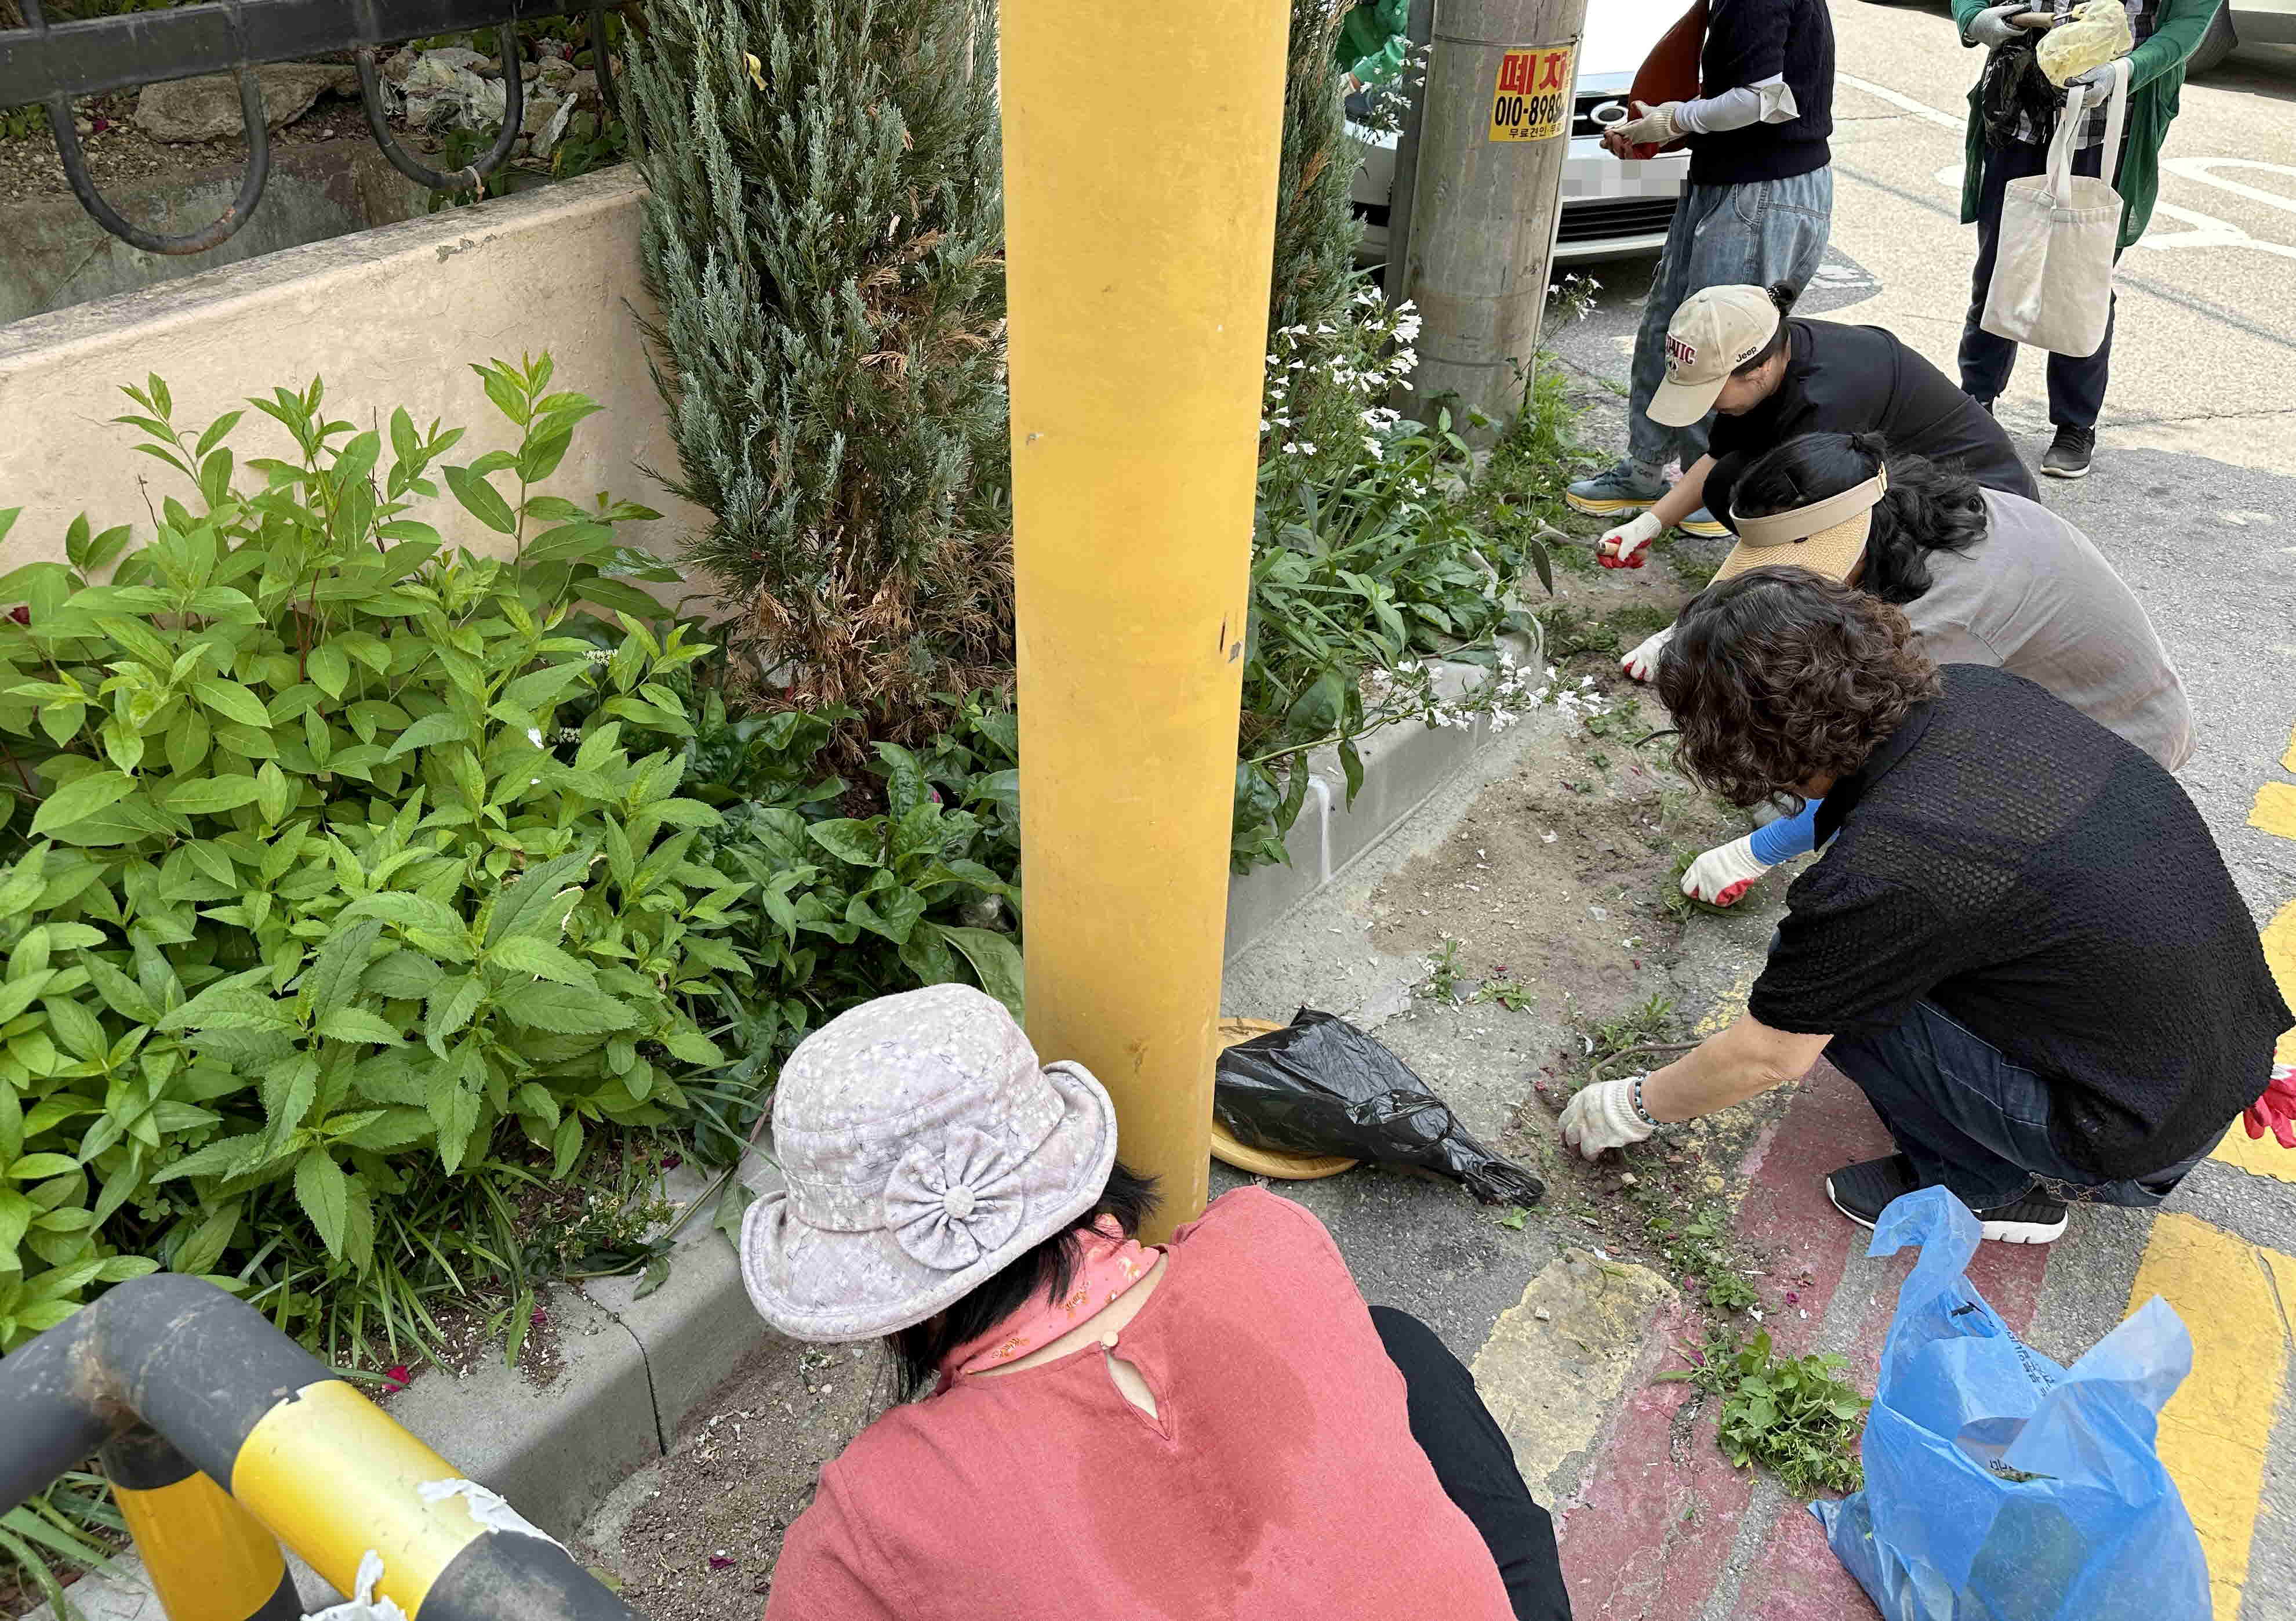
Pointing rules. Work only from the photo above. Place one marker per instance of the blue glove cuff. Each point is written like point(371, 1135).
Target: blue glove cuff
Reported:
point(1787, 837)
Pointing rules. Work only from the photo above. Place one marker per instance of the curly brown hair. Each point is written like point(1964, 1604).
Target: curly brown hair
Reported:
point(1778, 675)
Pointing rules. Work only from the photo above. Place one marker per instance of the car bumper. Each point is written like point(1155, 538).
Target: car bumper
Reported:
point(1611, 209)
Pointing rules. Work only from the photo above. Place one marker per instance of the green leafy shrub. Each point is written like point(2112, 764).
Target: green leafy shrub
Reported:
point(1357, 583)
point(313, 893)
point(854, 907)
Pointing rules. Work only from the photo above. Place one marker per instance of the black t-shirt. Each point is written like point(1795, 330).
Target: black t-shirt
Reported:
point(1843, 379)
point(1748, 41)
point(2050, 887)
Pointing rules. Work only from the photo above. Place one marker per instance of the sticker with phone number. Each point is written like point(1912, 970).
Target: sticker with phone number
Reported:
point(1532, 102)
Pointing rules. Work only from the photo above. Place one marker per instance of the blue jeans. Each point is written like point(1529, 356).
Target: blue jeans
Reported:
point(1753, 234)
point(1967, 1117)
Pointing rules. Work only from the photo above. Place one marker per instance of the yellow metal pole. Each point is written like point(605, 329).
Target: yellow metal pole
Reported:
point(1140, 161)
point(208, 1558)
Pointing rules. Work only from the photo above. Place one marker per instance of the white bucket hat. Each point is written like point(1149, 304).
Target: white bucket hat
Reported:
point(925, 1150)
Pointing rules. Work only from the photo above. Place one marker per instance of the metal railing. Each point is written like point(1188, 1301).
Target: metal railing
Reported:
point(222, 1438)
point(48, 64)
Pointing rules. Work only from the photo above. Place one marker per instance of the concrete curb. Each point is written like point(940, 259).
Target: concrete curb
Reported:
point(1403, 767)
point(635, 1368)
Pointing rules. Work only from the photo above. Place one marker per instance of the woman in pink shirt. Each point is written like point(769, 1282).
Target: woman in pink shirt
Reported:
point(1214, 1427)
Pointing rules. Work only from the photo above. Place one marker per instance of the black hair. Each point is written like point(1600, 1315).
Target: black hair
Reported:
point(1783, 294)
point(1927, 508)
point(1779, 675)
point(1046, 1269)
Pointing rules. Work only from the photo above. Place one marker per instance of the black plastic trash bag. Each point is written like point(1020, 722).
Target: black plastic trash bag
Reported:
point(1321, 1086)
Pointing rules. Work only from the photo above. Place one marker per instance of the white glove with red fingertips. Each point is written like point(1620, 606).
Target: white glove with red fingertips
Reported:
point(1724, 873)
point(1601, 1115)
point(2276, 1111)
point(1624, 547)
point(1652, 125)
point(1642, 663)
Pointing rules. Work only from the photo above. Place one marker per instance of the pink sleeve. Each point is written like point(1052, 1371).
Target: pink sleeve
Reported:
point(828, 1570)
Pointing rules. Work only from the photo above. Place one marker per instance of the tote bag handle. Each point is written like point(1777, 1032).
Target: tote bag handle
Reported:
point(2069, 125)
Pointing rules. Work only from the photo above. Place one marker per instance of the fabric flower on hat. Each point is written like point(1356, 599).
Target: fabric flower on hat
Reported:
point(951, 1200)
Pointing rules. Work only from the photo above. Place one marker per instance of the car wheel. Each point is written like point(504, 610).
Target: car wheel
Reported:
point(2216, 44)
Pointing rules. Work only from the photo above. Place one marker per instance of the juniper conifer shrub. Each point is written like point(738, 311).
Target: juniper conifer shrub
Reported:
point(824, 236)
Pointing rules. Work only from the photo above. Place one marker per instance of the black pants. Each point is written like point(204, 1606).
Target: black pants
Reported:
point(2076, 381)
point(1476, 1466)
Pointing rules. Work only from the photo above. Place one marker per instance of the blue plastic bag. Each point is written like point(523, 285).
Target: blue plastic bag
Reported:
point(1998, 1485)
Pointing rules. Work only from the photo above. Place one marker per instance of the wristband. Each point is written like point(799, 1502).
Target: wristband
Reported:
point(1642, 1114)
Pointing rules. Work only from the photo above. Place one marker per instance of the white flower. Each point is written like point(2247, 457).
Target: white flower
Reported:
point(534, 735)
point(600, 655)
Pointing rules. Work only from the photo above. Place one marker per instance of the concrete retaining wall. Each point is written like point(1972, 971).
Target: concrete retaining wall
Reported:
point(53, 255)
point(389, 317)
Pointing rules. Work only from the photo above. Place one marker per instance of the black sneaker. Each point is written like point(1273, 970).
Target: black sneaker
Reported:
point(1863, 1192)
point(1985, 405)
point(2037, 1218)
point(2069, 453)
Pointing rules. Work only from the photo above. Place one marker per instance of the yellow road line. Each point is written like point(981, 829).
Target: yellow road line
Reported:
point(2275, 809)
point(2260, 1156)
point(2266, 1157)
point(2214, 1432)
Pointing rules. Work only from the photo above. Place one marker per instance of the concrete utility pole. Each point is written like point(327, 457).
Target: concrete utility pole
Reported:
point(1493, 134)
point(1139, 235)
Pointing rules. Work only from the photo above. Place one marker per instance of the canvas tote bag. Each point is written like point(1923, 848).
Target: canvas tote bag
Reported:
point(2052, 267)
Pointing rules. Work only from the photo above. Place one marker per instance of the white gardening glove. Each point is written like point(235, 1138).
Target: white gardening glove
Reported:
point(1992, 28)
point(1642, 663)
point(1653, 126)
point(1602, 1116)
point(1724, 873)
point(1622, 548)
point(2098, 81)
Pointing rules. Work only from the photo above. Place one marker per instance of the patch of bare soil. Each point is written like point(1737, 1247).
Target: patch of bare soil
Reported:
point(1561, 877)
point(701, 1541)
point(120, 155)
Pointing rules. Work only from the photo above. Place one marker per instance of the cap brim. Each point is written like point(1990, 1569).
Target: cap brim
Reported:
point(813, 1284)
point(1681, 404)
point(1832, 552)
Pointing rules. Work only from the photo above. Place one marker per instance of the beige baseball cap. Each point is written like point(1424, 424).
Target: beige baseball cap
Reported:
point(1715, 331)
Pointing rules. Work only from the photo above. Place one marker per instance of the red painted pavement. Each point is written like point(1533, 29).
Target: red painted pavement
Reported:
point(1649, 1537)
